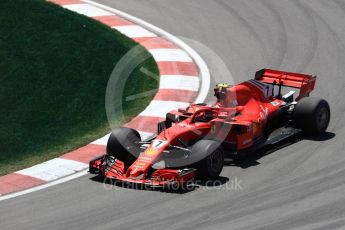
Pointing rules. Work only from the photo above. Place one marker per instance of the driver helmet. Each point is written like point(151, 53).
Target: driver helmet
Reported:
point(220, 91)
point(208, 115)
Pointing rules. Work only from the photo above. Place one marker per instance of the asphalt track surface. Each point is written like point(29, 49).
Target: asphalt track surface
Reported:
point(300, 186)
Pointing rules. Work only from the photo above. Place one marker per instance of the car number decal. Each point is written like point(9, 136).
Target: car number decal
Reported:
point(158, 144)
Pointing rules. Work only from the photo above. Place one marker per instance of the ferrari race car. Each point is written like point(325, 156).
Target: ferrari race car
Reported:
point(193, 142)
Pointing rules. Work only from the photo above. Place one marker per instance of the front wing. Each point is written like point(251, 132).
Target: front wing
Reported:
point(109, 167)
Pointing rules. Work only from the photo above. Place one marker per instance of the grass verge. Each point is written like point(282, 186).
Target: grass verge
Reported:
point(54, 69)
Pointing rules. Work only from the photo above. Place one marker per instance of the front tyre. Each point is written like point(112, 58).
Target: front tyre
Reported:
point(212, 163)
point(312, 115)
point(121, 144)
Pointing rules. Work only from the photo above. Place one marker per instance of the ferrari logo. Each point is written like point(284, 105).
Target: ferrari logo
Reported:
point(140, 163)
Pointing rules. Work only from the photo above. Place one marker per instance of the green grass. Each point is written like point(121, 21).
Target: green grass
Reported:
point(54, 69)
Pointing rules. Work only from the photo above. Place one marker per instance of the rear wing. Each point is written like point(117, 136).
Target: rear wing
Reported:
point(304, 82)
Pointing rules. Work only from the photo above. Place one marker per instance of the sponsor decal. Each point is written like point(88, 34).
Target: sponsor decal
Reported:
point(145, 159)
point(139, 165)
point(151, 151)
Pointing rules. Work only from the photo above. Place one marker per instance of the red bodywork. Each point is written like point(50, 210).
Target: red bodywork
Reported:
point(239, 117)
point(160, 178)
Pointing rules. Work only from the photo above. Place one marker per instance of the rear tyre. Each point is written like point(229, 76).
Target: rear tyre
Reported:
point(212, 163)
point(121, 144)
point(312, 115)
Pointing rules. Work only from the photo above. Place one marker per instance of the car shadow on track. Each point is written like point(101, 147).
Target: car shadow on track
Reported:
point(197, 184)
point(252, 158)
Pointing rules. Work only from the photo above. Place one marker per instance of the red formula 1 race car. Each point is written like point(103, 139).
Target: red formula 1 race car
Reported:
point(193, 141)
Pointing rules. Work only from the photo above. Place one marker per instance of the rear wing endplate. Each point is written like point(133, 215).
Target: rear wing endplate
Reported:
point(304, 82)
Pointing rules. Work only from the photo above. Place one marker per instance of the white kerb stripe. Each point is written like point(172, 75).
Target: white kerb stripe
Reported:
point(202, 66)
point(54, 169)
point(179, 82)
point(170, 55)
point(102, 140)
point(145, 135)
point(160, 108)
point(88, 10)
point(134, 31)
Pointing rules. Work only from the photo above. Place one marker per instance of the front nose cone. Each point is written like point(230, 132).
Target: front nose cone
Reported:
point(135, 172)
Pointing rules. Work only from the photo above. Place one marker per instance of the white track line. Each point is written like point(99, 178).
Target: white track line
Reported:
point(134, 31)
point(43, 186)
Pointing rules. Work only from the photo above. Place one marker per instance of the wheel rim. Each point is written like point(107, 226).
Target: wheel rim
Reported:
point(322, 118)
point(216, 161)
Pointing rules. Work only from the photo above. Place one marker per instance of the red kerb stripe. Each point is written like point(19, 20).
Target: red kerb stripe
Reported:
point(86, 153)
point(16, 182)
point(113, 20)
point(177, 68)
point(155, 43)
point(64, 2)
point(144, 123)
point(176, 95)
